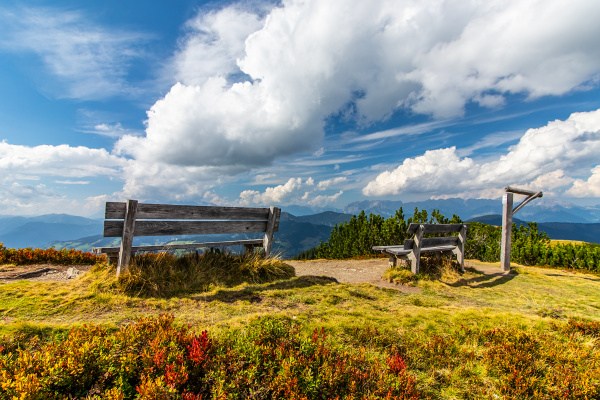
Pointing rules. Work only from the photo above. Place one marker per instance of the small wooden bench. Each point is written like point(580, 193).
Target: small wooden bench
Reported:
point(413, 248)
point(130, 219)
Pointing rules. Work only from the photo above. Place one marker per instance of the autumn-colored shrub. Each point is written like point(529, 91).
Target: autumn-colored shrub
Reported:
point(154, 358)
point(272, 358)
point(47, 256)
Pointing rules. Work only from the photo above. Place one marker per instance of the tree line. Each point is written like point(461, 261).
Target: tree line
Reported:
point(530, 246)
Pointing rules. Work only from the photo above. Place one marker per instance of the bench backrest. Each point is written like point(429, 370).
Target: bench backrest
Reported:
point(167, 219)
point(418, 230)
point(130, 219)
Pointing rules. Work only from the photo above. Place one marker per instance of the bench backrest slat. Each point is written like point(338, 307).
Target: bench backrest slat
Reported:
point(115, 210)
point(165, 228)
point(432, 242)
point(435, 228)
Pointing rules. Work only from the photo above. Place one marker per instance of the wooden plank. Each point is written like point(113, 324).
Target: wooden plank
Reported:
point(128, 230)
point(524, 192)
point(437, 248)
point(398, 251)
point(174, 211)
point(186, 246)
point(440, 241)
point(384, 248)
point(115, 210)
point(430, 242)
point(166, 228)
point(435, 228)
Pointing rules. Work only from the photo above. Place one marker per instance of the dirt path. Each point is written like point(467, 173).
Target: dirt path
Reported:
point(350, 271)
point(345, 271)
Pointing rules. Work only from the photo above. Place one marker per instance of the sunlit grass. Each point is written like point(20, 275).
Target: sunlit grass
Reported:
point(451, 328)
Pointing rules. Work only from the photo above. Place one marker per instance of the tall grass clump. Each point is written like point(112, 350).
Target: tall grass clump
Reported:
point(165, 274)
point(433, 267)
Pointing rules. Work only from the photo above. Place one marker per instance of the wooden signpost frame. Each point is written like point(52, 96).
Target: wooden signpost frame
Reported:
point(507, 217)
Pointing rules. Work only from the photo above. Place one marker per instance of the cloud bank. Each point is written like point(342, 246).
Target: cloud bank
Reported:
point(539, 160)
point(255, 86)
point(25, 171)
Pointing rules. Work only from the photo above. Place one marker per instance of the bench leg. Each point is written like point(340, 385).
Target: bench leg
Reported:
point(393, 261)
point(414, 263)
point(460, 257)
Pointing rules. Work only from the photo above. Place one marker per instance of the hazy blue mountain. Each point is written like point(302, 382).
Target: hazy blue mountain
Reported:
point(555, 230)
point(327, 218)
point(299, 210)
point(538, 211)
point(41, 230)
point(303, 231)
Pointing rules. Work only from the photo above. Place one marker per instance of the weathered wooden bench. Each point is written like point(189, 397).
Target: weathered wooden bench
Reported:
point(130, 219)
point(413, 248)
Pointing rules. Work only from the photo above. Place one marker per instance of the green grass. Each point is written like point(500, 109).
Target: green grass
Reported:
point(529, 294)
point(451, 329)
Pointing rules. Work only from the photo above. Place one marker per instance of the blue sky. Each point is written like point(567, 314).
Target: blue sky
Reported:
point(296, 102)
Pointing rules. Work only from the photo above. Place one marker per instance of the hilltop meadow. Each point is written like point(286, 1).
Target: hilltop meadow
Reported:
point(228, 326)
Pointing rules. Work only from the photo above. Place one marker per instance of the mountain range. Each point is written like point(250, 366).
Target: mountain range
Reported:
point(298, 232)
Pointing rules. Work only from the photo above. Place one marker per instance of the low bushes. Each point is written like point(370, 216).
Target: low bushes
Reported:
point(272, 358)
point(530, 247)
point(154, 359)
point(47, 256)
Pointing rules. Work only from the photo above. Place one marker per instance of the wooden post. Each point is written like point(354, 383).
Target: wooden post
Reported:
point(268, 239)
point(460, 249)
point(507, 218)
point(415, 260)
point(507, 215)
point(127, 238)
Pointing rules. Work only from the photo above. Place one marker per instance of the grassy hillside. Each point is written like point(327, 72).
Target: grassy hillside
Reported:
point(529, 334)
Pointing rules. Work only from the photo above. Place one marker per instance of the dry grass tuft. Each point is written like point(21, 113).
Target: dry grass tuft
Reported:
point(164, 274)
point(440, 268)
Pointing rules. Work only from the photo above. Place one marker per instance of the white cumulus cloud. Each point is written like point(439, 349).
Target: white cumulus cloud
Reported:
point(539, 159)
point(272, 195)
point(58, 161)
point(589, 187)
point(258, 85)
point(325, 184)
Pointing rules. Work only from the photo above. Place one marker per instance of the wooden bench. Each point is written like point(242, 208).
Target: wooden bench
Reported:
point(413, 248)
point(130, 219)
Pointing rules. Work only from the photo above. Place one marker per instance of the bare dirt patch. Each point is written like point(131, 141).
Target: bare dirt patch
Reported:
point(350, 271)
point(41, 272)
